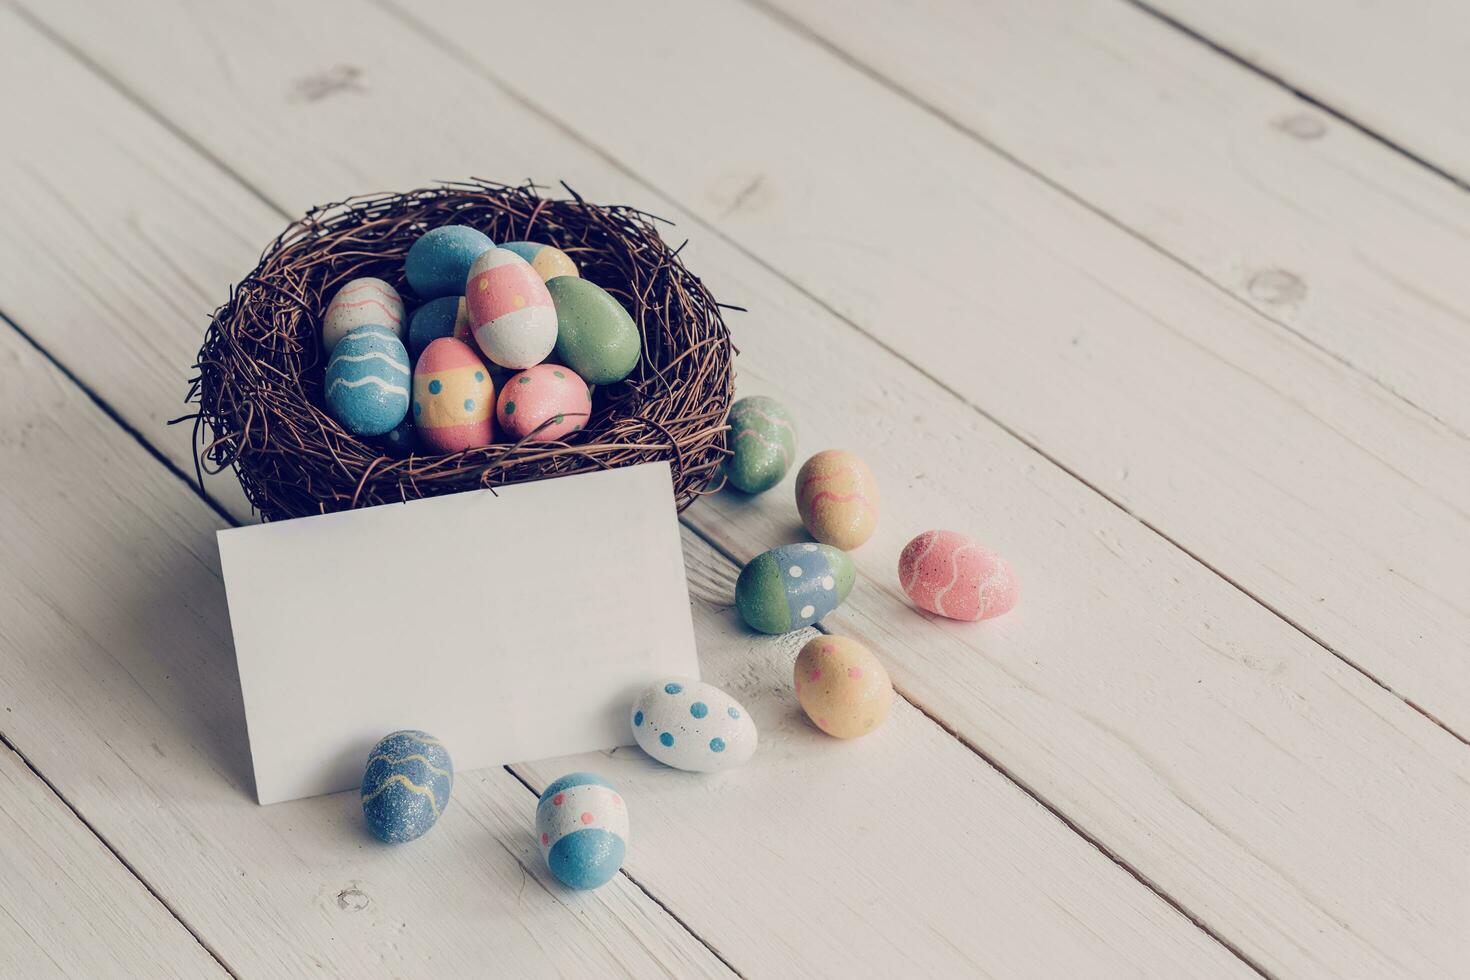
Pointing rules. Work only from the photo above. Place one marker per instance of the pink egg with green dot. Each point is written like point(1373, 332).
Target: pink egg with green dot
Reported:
point(688, 724)
point(545, 403)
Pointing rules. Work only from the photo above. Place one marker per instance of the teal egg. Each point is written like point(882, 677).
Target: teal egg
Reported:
point(433, 320)
point(595, 336)
point(366, 385)
point(763, 441)
point(438, 263)
point(406, 786)
point(793, 586)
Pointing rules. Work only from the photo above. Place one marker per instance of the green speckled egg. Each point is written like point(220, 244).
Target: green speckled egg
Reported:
point(595, 336)
point(793, 586)
point(763, 439)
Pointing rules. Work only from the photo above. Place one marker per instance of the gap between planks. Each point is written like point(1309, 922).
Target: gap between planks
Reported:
point(455, 51)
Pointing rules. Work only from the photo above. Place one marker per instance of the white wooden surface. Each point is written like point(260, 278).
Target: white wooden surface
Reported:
point(1224, 732)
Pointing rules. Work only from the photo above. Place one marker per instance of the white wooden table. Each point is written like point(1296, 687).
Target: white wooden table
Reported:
point(1168, 301)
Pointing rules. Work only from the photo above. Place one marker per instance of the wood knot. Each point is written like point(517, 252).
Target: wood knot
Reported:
point(1277, 287)
point(352, 900)
point(314, 88)
point(1302, 125)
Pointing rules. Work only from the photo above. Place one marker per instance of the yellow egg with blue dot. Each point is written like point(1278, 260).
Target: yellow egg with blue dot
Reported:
point(453, 398)
point(548, 260)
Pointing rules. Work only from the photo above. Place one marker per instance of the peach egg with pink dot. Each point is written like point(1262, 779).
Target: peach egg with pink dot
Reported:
point(955, 576)
point(543, 403)
point(842, 687)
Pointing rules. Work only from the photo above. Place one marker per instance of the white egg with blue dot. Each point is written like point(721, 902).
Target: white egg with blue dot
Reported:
point(691, 725)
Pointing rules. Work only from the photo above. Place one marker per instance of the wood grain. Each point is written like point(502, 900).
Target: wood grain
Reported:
point(1324, 230)
point(1396, 68)
point(68, 907)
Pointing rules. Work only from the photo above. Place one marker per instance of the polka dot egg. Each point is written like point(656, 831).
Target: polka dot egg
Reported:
point(359, 303)
point(956, 576)
point(438, 263)
point(366, 384)
point(694, 726)
point(792, 586)
point(405, 788)
point(582, 827)
point(842, 687)
point(548, 260)
point(837, 498)
point(545, 402)
point(511, 311)
point(452, 395)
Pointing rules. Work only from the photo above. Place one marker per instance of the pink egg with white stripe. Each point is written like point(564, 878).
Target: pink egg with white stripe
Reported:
point(956, 576)
point(511, 312)
point(362, 302)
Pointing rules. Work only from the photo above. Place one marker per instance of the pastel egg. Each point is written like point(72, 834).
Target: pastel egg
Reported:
point(545, 402)
point(512, 314)
point(366, 385)
point(694, 726)
point(401, 440)
point(359, 303)
point(837, 498)
point(548, 260)
point(842, 687)
point(956, 576)
point(447, 316)
point(595, 336)
point(438, 264)
point(763, 440)
point(792, 586)
point(452, 397)
point(582, 826)
point(405, 788)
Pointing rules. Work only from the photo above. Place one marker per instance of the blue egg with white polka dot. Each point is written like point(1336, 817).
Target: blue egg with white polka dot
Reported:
point(582, 827)
point(406, 786)
point(688, 724)
point(367, 381)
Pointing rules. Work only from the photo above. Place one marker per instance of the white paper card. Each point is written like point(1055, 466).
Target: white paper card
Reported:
point(512, 626)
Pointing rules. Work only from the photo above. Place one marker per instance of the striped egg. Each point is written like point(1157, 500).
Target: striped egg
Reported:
point(438, 263)
point(359, 303)
point(513, 317)
point(545, 402)
point(447, 316)
point(366, 385)
point(693, 726)
point(548, 260)
point(842, 687)
point(452, 398)
point(763, 440)
point(837, 498)
point(582, 825)
point(948, 573)
point(793, 586)
point(406, 786)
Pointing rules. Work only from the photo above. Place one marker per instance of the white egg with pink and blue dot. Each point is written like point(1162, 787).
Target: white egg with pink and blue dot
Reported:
point(691, 725)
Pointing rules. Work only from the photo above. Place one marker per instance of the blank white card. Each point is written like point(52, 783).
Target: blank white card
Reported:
point(512, 626)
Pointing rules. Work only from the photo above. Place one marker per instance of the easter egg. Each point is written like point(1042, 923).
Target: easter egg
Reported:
point(837, 498)
point(406, 785)
point(452, 397)
point(956, 576)
point(763, 439)
point(447, 316)
point(512, 314)
point(545, 402)
point(438, 264)
point(548, 260)
point(792, 586)
point(595, 336)
point(401, 440)
point(366, 385)
point(582, 825)
point(694, 726)
point(359, 303)
point(842, 687)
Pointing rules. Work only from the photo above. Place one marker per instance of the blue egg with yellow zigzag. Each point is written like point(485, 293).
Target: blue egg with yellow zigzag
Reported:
point(406, 786)
point(366, 387)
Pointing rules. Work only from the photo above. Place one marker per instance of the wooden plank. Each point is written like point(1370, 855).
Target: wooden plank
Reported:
point(1065, 906)
point(1397, 69)
point(1196, 736)
point(68, 907)
point(1306, 485)
point(1321, 228)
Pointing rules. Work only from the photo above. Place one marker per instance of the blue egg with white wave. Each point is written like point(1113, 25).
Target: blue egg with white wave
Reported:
point(438, 263)
point(582, 827)
point(405, 788)
point(366, 386)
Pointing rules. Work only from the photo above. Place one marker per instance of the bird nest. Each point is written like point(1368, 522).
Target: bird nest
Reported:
point(259, 383)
